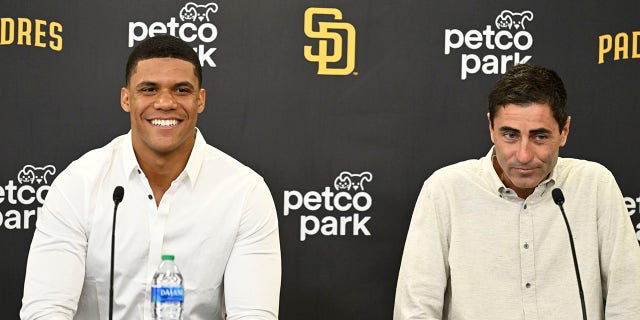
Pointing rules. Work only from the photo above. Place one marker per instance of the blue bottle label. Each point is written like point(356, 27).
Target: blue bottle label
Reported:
point(167, 294)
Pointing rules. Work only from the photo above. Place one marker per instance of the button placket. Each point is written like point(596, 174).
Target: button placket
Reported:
point(527, 260)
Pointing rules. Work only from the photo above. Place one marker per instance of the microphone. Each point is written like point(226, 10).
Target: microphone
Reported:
point(118, 195)
point(558, 198)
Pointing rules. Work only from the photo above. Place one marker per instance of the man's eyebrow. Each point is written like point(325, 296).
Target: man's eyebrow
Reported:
point(146, 84)
point(539, 131)
point(184, 84)
point(507, 128)
point(532, 131)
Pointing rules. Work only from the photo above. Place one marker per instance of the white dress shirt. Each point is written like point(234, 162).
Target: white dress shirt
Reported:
point(475, 250)
point(217, 218)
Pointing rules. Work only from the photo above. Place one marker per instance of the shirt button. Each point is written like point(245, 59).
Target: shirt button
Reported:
point(139, 172)
point(526, 246)
point(150, 197)
point(525, 207)
point(528, 285)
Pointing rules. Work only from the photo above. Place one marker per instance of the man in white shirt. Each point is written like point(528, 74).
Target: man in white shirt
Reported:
point(487, 241)
point(182, 197)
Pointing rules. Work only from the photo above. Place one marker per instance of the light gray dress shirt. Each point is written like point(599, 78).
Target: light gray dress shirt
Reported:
point(217, 218)
point(475, 250)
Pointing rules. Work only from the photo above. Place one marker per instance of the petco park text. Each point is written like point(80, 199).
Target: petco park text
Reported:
point(20, 195)
point(330, 201)
point(189, 32)
point(25, 194)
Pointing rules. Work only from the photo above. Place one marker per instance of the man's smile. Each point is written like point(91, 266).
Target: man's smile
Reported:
point(164, 122)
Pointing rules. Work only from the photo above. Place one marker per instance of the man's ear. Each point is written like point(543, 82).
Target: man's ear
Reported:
point(564, 134)
point(490, 128)
point(124, 99)
point(202, 98)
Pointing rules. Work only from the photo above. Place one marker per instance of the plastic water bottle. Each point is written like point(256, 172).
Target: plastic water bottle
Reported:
point(167, 292)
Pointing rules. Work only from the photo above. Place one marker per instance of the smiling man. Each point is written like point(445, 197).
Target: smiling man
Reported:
point(182, 197)
point(486, 239)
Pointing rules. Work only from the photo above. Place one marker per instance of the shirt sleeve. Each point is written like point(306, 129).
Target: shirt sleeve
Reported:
point(55, 266)
point(252, 275)
point(619, 254)
point(424, 270)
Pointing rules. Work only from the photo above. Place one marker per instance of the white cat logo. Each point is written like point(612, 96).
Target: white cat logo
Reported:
point(350, 181)
point(509, 20)
point(30, 174)
point(197, 12)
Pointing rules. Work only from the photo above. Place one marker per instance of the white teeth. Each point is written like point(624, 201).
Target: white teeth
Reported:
point(164, 123)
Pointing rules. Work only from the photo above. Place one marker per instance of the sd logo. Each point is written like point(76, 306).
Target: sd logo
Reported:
point(324, 36)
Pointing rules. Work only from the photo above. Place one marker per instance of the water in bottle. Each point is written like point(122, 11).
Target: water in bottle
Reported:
point(167, 292)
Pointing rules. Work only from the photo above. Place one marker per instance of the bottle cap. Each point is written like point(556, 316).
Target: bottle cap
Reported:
point(168, 257)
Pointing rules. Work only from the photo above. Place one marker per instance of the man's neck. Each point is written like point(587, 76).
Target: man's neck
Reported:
point(522, 193)
point(162, 169)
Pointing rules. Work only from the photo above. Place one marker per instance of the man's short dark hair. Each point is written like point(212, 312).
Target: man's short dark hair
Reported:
point(524, 84)
point(163, 46)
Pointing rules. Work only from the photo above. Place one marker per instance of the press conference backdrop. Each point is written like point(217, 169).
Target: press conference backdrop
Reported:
point(344, 107)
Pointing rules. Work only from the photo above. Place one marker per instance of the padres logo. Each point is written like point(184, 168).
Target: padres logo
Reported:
point(324, 36)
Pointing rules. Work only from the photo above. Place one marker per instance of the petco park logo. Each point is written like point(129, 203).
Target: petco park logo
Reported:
point(349, 196)
point(343, 51)
point(510, 37)
point(17, 201)
point(195, 26)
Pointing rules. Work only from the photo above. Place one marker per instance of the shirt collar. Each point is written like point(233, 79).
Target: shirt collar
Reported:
point(194, 164)
point(129, 161)
point(497, 185)
point(191, 170)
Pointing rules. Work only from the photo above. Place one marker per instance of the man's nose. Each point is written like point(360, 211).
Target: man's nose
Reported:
point(165, 100)
point(524, 153)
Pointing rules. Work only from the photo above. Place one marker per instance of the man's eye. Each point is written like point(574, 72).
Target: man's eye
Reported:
point(541, 137)
point(510, 135)
point(183, 90)
point(147, 90)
